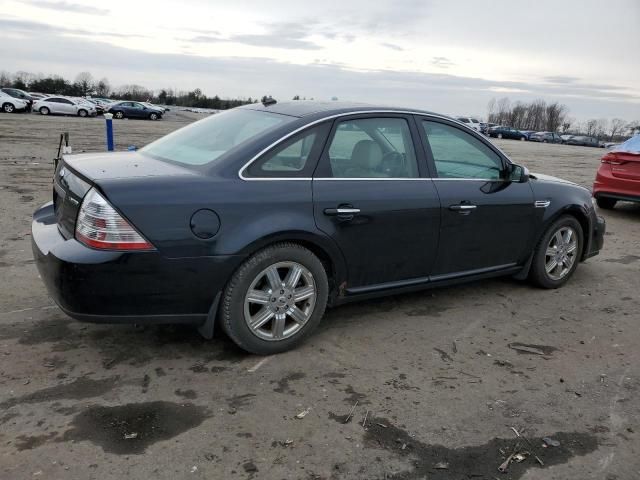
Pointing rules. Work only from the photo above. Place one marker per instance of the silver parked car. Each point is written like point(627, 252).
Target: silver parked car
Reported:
point(9, 104)
point(64, 106)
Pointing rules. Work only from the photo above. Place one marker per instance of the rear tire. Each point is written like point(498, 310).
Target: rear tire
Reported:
point(549, 248)
point(499, 135)
point(44, 111)
point(238, 310)
point(8, 108)
point(606, 203)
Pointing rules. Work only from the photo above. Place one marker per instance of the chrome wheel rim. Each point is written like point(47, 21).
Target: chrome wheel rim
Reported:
point(561, 253)
point(280, 301)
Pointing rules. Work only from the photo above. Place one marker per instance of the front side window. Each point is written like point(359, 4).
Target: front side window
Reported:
point(293, 157)
point(204, 141)
point(458, 154)
point(373, 148)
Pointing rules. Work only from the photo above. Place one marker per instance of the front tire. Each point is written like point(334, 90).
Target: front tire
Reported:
point(153, 116)
point(275, 299)
point(44, 111)
point(82, 113)
point(119, 115)
point(606, 203)
point(522, 139)
point(558, 253)
point(499, 135)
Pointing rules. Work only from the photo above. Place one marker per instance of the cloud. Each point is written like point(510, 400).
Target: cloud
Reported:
point(561, 79)
point(441, 62)
point(236, 76)
point(29, 27)
point(286, 35)
point(69, 7)
point(393, 46)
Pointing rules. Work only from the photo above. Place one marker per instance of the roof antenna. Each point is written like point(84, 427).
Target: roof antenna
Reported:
point(266, 101)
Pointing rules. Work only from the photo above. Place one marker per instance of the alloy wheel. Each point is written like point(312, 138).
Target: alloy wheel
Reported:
point(280, 301)
point(8, 108)
point(561, 253)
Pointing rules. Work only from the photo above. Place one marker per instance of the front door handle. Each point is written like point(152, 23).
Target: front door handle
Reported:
point(463, 209)
point(346, 212)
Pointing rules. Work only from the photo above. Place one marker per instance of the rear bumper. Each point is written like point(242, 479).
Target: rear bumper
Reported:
point(606, 185)
point(125, 287)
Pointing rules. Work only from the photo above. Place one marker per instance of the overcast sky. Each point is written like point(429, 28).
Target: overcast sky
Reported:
point(446, 56)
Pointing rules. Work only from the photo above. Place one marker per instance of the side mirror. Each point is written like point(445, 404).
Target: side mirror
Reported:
point(519, 174)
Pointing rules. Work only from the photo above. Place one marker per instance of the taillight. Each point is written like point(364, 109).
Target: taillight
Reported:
point(612, 159)
point(100, 226)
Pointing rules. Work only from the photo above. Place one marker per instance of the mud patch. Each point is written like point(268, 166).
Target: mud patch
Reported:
point(428, 311)
point(625, 260)
point(240, 401)
point(79, 389)
point(130, 429)
point(354, 396)
point(8, 417)
point(283, 383)
point(28, 443)
point(480, 461)
point(189, 394)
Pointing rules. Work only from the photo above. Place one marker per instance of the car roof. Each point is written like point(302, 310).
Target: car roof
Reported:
point(302, 108)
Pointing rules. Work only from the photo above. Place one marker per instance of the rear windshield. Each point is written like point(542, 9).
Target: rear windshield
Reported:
point(204, 141)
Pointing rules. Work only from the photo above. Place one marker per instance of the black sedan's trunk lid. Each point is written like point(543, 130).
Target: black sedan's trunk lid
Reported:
point(76, 174)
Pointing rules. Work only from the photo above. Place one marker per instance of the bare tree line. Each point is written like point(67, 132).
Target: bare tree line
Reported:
point(539, 115)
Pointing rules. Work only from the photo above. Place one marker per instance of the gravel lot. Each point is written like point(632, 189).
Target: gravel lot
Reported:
point(434, 373)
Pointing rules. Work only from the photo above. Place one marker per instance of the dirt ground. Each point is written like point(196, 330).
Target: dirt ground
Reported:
point(434, 374)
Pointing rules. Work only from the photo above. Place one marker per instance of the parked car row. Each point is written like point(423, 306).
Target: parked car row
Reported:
point(16, 100)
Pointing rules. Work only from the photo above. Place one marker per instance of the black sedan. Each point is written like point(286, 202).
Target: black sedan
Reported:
point(507, 132)
point(258, 218)
point(135, 110)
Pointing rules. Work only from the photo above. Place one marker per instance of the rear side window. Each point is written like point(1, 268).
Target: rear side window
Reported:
point(205, 141)
point(295, 157)
point(458, 154)
point(372, 148)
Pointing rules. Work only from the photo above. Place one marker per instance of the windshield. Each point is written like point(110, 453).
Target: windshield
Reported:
point(204, 141)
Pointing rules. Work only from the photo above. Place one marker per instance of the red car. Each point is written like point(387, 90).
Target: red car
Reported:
point(618, 177)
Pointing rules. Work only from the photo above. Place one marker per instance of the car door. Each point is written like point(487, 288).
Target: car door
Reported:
point(372, 196)
point(66, 106)
point(487, 219)
point(138, 110)
point(53, 104)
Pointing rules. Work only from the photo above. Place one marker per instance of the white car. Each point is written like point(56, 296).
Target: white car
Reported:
point(64, 106)
point(10, 104)
point(470, 122)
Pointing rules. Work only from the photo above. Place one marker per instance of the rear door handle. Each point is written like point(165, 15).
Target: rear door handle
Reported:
point(463, 209)
point(343, 212)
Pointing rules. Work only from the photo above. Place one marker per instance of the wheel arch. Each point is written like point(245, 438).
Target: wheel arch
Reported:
point(321, 246)
point(580, 215)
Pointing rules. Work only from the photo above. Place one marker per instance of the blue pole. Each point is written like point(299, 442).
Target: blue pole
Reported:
point(108, 117)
